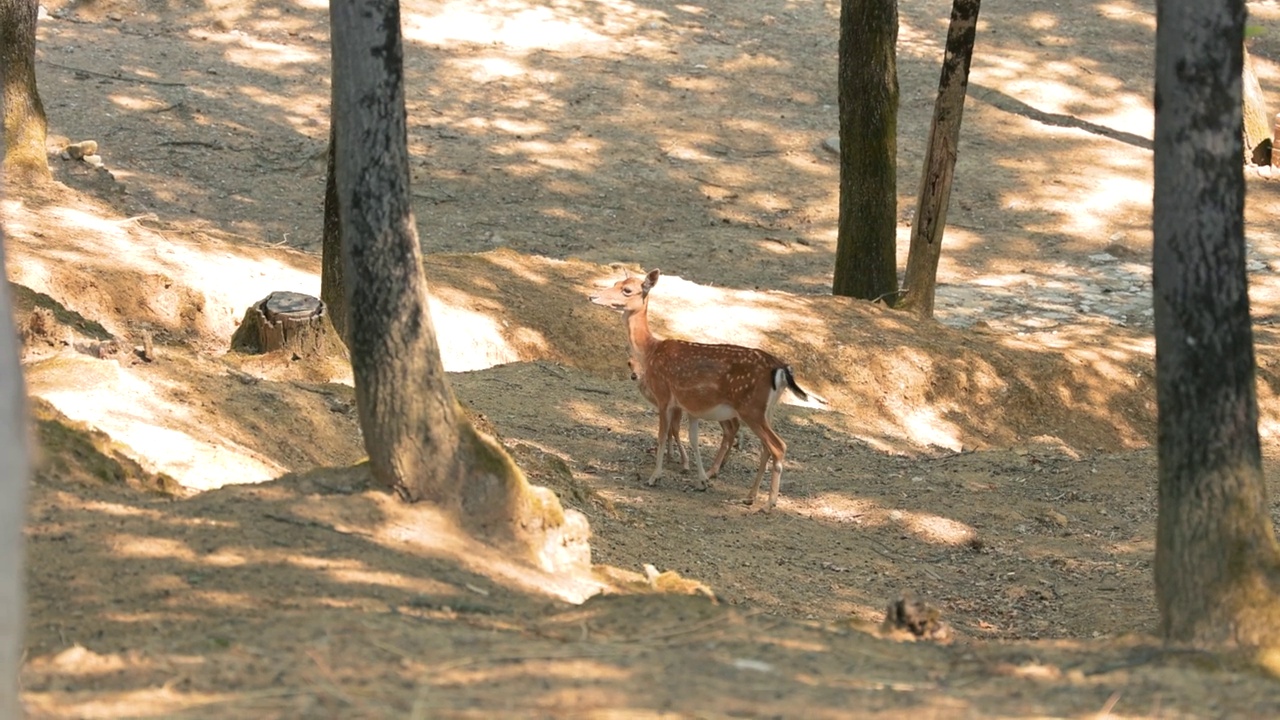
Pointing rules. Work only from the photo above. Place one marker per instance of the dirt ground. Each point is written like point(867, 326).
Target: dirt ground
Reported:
point(203, 542)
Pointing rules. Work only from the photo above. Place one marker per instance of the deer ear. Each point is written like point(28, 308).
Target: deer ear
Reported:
point(650, 280)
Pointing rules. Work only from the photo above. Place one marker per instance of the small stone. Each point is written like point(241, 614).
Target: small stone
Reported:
point(1053, 517)
point(1102, 258)
point(832, 145)
point(115, 17)
point(94, 160)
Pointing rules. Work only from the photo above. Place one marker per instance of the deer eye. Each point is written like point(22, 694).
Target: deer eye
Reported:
point(626, 291)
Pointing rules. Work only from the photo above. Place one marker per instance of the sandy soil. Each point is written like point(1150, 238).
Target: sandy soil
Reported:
point(204, 544)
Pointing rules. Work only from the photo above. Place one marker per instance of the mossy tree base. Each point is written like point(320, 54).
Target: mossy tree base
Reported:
point(288, 322)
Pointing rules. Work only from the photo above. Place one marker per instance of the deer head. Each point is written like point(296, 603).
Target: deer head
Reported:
point(628, 294)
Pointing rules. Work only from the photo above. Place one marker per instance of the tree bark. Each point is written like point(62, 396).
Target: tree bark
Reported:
point(1257, 121)
point(15, 469)
point(866, 246)
point(921, 278)
point(25, 127)
point(1217, 568)
point(333, 292)
point(419, 441)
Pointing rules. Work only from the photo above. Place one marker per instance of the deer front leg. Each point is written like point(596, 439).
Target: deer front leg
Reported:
point(703, 482)
point(664, 429)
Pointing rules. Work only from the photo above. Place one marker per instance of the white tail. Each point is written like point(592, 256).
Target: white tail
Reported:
point(724, 383)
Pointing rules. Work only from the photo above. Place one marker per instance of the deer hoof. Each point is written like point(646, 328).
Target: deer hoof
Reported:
point(653, 480)
point(702, 485)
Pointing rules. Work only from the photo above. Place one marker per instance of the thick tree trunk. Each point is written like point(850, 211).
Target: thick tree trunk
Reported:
point(1257, 121)
point(921, 278)
point(407, 410)
point(419, 441)
point(14, 471)
point(24, 120)
point(1217, 565)
point(333, 292)
point(866, 247)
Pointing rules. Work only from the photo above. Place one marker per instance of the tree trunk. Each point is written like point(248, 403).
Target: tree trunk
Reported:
point(1217, 564)
point(1257, 121)
point(15, 470)
point(921, 278)
point(288, 321)
point(866, 247)
point(419, 441)
point(332, 290)
point(24, 120)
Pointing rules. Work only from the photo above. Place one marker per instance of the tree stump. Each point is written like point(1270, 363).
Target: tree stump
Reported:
point(287, 321)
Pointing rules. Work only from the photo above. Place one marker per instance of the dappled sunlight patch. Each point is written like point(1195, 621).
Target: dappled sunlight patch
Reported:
point(1088, 213)
point(934, 529)
point(149, 617)
point(250, 52)
point(843, 509)
point(512, 126)
point(926, 426)
point(126, 268)
point(494, 68)
point(140, 546)
point(355, 576)
point(222, 599)
point(1129, 12)
point(157, 701)
point(80, 661)
point(928, 527)
point(427, 530)
point(528, 27)
point(469, 339)
point(134, 411)
point(574, 155)
point(581, 669)
point(702, 313)
point(519, 266)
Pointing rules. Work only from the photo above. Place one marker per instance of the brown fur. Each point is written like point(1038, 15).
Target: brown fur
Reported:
point(704, 380)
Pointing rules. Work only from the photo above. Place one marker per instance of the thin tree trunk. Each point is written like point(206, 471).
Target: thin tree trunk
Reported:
point(419, 441)
point(14, 473)
point(333, 292)
point(866, 247)
point(25, 127)
point(921, 278)
point(1217, 567)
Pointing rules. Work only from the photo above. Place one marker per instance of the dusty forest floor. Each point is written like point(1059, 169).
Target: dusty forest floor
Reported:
point(201, 546)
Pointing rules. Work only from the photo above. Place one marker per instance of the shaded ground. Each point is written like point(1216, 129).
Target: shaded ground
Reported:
point(1005, 477)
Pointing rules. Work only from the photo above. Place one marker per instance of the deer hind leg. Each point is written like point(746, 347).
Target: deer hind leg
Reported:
point(730, 429)
point(703, 482)
point(773, 448)
point(673, 438)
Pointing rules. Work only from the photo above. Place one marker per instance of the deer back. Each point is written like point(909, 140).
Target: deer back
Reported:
point(713, 381)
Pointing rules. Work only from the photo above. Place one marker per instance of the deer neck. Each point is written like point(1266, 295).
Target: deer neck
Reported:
point(639, 337)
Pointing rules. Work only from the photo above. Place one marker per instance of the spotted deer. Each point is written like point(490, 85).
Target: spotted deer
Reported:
point(705, 381)
point(729, 427)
